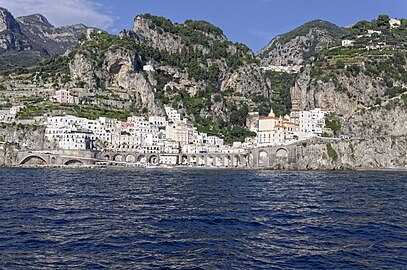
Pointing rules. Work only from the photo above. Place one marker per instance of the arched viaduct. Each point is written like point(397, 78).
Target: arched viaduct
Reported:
point(55, 158)
point(263, 157)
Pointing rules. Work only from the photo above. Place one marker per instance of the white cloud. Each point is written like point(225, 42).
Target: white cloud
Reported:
point(62, 12)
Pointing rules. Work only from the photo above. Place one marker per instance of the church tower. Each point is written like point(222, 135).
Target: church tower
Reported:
point(295, 111)
point(272, 114)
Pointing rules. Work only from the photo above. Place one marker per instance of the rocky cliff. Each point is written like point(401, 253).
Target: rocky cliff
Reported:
point(379, 152)
point(297, 46)
point(55, 40)
point(27, 40)
point(190, 66)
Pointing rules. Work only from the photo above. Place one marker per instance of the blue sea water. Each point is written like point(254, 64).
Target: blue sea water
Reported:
point(202, 219)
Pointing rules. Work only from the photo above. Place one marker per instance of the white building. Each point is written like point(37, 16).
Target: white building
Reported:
point(173, 115)
point(71, 132)
point(180, 132)
point(214, 141)
point(76, 141)
point(158, 121)
point(148, 68)
point(312, 123)
point(5, 116)
point(15, 110)
point(395, 23)
point(347, 43)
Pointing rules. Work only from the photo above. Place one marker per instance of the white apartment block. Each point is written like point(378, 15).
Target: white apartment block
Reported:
point(347, 43)
point(312, 123)
point(173, 115)
point(158, 121)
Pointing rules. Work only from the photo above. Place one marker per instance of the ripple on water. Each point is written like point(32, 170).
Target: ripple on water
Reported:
point(211, 219)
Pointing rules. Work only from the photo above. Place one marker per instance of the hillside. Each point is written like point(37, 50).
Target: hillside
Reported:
point(364, 85)
point(298, 45)
point(27, 40)
point(191, 66)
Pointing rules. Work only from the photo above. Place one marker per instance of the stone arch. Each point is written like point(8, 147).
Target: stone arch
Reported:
point(130, 159)
point(74, 162)
point(106, 157)
point(142, 159)
point(236, 161)
point(244, 160)
point(282, 153)
point(53, 160)
point(264, 160)
point(227, 161)
point(210, 161)
point(154, 159)
point(33, 160)
point(201, 161)
point(118, 158)
point(194, 160)
point(218, 161)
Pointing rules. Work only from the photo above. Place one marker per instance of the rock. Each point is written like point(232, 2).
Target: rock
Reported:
point(7, 22)
point(297, 46)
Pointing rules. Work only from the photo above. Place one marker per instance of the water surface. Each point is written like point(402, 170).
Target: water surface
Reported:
point(204, 219)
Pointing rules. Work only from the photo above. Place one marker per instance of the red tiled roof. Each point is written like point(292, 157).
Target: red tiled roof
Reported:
point(268, 117)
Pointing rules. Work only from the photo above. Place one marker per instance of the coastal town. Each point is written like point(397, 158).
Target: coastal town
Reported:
point(171, 135)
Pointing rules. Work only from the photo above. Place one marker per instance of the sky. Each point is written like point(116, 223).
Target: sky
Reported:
point(252, 22)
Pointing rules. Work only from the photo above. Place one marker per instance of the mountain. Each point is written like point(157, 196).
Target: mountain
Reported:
point(192, 67)
point(56, 40)
point(11, 37)
point(297, 46)
point(27, 40)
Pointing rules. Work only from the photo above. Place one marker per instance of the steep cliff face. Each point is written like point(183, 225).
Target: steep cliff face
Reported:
point(7, 22)
point(26, 137)
point(27, 40)
point(299, 45)
point(339, 91)
point(6, 155)
point(14, 138)
point(11, 37)
point(56, 40)
point(365, 88)
point(157, 38)
point(365, 153)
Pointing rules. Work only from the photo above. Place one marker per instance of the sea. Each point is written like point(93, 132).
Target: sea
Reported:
point(202, 219)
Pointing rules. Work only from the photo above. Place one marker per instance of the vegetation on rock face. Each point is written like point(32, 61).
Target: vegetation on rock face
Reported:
point(382, 57)
point(332, 152)
point(90, 112)
point(333, 123)
point(404, 97)
point(281, 86)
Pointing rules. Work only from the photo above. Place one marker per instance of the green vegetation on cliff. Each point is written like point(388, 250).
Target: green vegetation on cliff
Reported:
point(281, 85)
point(90, 112)
point(331, 152)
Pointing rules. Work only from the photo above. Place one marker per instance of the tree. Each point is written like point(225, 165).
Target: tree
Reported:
point(383, 21)
point(361, 26)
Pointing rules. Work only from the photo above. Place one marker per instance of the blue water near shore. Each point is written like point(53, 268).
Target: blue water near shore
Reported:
point(203, 219)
